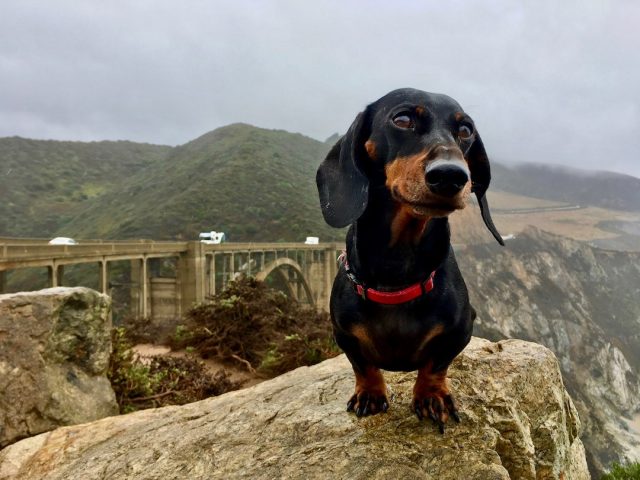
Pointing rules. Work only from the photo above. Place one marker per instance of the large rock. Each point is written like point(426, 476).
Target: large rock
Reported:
point(517, 422)
point(54, 354)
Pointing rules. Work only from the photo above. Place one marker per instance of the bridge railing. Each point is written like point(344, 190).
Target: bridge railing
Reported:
point(14, 256)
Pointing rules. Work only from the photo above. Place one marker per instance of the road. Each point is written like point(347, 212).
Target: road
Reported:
point(510, 211)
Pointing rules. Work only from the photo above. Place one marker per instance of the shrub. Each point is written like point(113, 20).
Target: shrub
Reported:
point(157, 381)
point(259, 328)
point(629, 471)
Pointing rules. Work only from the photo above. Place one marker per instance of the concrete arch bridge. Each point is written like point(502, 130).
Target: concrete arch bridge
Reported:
point(196, 270)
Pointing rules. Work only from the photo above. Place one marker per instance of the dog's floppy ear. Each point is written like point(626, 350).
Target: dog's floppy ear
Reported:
point(480, 179)
point(343, 187)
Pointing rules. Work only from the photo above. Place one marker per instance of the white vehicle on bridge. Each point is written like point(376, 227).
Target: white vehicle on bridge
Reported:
point(212, 237)
point(62, 241)
point(312, 241)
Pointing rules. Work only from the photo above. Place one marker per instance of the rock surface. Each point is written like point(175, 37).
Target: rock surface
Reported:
point(517, 422)
point(54, 354)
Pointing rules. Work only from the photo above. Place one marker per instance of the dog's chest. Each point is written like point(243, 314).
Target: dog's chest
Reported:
point(397, 340)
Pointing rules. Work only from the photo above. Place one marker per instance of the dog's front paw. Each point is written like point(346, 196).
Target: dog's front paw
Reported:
point(438, 406)
point(431, 397)
point(368, 403)
point(370, 396)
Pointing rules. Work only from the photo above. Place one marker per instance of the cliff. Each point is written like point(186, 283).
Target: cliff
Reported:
point(517, 422)
point(581, 302)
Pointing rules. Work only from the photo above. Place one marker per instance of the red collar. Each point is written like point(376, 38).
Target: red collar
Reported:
point(387, 298)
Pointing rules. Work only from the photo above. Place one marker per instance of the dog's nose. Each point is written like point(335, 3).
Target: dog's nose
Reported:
point(446, 178)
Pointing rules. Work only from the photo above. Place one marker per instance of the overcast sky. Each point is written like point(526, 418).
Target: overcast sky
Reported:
point(553, 81)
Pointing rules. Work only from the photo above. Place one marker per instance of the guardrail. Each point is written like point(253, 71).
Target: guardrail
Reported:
point(14, 256)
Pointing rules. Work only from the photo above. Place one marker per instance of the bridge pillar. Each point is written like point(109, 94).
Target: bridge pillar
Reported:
point(56, 275)
point(140, 288)
point(322, 284)
point(211, 274)
point(3, 281)
point(144, 283)
point(104, 277)
point(191, 277)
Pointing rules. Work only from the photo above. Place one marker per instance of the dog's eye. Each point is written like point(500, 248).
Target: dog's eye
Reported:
point(403, 120)
point(465, 131)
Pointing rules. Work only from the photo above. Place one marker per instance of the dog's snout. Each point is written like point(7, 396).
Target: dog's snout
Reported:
point(443, 152)
point(446, 178)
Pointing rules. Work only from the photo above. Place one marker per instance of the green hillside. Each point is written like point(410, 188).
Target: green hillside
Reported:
point(42, 182)
point(253, 184)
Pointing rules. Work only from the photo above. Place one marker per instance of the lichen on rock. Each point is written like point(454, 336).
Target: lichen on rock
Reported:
point(54, 353)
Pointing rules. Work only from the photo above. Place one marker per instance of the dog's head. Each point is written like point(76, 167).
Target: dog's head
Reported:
point(422, 146)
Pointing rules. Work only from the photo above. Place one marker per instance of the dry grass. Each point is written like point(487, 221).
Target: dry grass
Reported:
point(498, 200)
point(582, 224)
point(577, 224)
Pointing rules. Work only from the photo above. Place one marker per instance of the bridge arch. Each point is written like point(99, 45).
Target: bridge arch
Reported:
point(278, 267)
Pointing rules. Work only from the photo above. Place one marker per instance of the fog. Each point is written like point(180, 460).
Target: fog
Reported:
point(545, 81)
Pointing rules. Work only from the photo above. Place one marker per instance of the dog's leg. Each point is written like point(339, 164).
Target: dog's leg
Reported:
point(370, 395)
point(431, 396)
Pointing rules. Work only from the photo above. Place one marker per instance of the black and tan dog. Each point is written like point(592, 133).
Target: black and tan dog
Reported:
point(399, 301)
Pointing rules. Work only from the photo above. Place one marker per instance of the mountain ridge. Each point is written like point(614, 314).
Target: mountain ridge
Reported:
point(253, 183)
point(239, 179)
point(601, 188)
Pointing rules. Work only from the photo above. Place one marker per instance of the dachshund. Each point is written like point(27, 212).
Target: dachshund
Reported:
point(399, 301)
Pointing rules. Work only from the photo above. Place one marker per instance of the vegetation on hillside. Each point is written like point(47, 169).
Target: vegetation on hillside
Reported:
point(158, 381)
point(253, 184)
point(45, 183)
point(629, 471)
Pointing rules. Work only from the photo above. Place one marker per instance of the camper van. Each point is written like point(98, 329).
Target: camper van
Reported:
point(212, 237)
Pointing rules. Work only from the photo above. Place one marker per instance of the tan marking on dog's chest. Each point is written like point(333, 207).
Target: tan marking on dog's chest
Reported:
point(434, 332)
point(361, 333)
point(367, 343)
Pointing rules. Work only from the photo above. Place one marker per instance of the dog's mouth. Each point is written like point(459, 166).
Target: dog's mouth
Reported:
point(428, 208)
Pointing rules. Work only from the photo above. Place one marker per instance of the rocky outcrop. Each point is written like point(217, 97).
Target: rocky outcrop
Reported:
point(517, 422)
point(582, 303)
point(54, 354)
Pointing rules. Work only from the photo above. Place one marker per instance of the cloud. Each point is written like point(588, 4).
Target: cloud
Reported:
point(548, 81)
